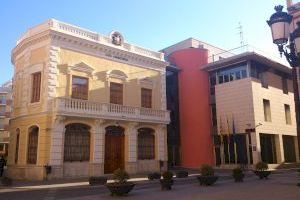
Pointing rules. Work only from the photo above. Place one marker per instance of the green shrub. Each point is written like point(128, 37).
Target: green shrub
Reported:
point(206, 170)
point(238, 174)
point(154, 175)
point(167, 175)
point(237, 171)
point(120, 176)
point(261, 166)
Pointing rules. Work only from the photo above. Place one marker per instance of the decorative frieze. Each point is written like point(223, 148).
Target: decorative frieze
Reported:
point(72, 37)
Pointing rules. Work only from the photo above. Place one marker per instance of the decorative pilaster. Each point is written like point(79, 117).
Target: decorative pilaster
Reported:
point(99, 142)
point(131, 134)
point(52, 70)
point(57, 135)
point(161, 142)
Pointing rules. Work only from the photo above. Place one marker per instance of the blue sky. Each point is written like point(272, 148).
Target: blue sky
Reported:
point(153, 24)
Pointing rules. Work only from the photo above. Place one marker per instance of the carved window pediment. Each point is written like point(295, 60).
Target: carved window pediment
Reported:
point(118, 74)
point(146, 82)
point(82, 67)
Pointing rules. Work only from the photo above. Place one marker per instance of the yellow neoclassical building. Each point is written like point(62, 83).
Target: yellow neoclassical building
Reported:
point(85, 104)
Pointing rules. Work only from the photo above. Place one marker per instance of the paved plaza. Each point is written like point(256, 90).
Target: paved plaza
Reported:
point(278, 187)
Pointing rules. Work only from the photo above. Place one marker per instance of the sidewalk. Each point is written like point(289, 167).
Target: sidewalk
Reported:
point(223, 174)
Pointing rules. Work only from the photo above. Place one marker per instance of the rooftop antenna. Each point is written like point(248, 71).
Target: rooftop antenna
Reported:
point(240, 29)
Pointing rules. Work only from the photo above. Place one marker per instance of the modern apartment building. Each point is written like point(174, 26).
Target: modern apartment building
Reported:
point(85, 104)
point(228, 107)
point(253, 109)
point(5, 110)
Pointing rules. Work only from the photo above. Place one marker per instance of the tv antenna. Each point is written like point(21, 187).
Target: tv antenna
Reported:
point(240, 29)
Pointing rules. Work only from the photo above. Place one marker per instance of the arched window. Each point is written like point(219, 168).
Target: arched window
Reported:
point(146, 144)
point(77, 143)
point(33, 139)
point(17, 145)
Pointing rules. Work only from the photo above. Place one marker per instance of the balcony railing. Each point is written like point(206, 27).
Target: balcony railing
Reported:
point(77, 107)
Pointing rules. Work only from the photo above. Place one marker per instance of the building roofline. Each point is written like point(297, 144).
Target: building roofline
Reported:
point(192, 38)
point(246, 57)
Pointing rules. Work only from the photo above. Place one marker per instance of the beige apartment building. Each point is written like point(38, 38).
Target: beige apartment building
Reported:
point(5, 111)
point(85, 104)
point(252, 106)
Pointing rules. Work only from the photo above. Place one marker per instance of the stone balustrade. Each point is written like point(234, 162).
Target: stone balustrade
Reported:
point(85, 108)
point(76, 31)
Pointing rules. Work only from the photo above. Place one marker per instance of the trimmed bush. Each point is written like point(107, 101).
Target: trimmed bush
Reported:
point(167, 175)
point(120, 176)
point(261, 166)
point(207, 170)
point(238, 174)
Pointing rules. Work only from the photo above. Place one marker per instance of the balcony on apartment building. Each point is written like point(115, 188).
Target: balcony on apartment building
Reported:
point(84, 108)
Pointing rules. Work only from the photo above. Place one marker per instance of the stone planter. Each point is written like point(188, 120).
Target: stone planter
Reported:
point(262, 174)
point(100, 180)
point(166, 184)
point(5, 181)
point(120, 189)
point(182, 174)
point(239, 177)
point(207, 180)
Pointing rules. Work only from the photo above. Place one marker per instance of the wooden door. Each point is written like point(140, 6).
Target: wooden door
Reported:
point(114, 151)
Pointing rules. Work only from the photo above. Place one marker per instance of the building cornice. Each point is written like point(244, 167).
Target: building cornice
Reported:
point(75, 38)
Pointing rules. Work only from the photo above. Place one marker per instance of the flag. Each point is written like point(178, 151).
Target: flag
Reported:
point(228, 131)
point(233, 130)
point(221, 131)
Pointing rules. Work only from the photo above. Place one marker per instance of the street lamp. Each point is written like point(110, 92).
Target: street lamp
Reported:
point(288, 44)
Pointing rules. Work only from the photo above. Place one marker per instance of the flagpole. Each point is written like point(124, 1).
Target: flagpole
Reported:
point(222, 143)
point(228, 140)
point(234, 140)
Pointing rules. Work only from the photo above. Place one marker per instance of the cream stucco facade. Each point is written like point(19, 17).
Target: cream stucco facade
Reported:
point(60, 51)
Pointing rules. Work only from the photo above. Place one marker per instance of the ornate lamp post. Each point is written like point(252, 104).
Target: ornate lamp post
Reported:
point(288, 44)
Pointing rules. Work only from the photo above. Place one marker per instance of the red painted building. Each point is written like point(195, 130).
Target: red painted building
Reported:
point(196, 142)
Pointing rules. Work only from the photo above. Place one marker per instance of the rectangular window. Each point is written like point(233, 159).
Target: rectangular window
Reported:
point(116, 93)
point(287, 111)
point(263, 79)
point(237, 75)
point(267, 110)
point(231, 76)
point(2, 110)
point(284, 85)
point(146, 98)
point(226, 78)
point(1, 123)
point(80, 87)
point(2, 99)
point(244, 73)
point(221, 79)
point(212, 80)
point(36, 87)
